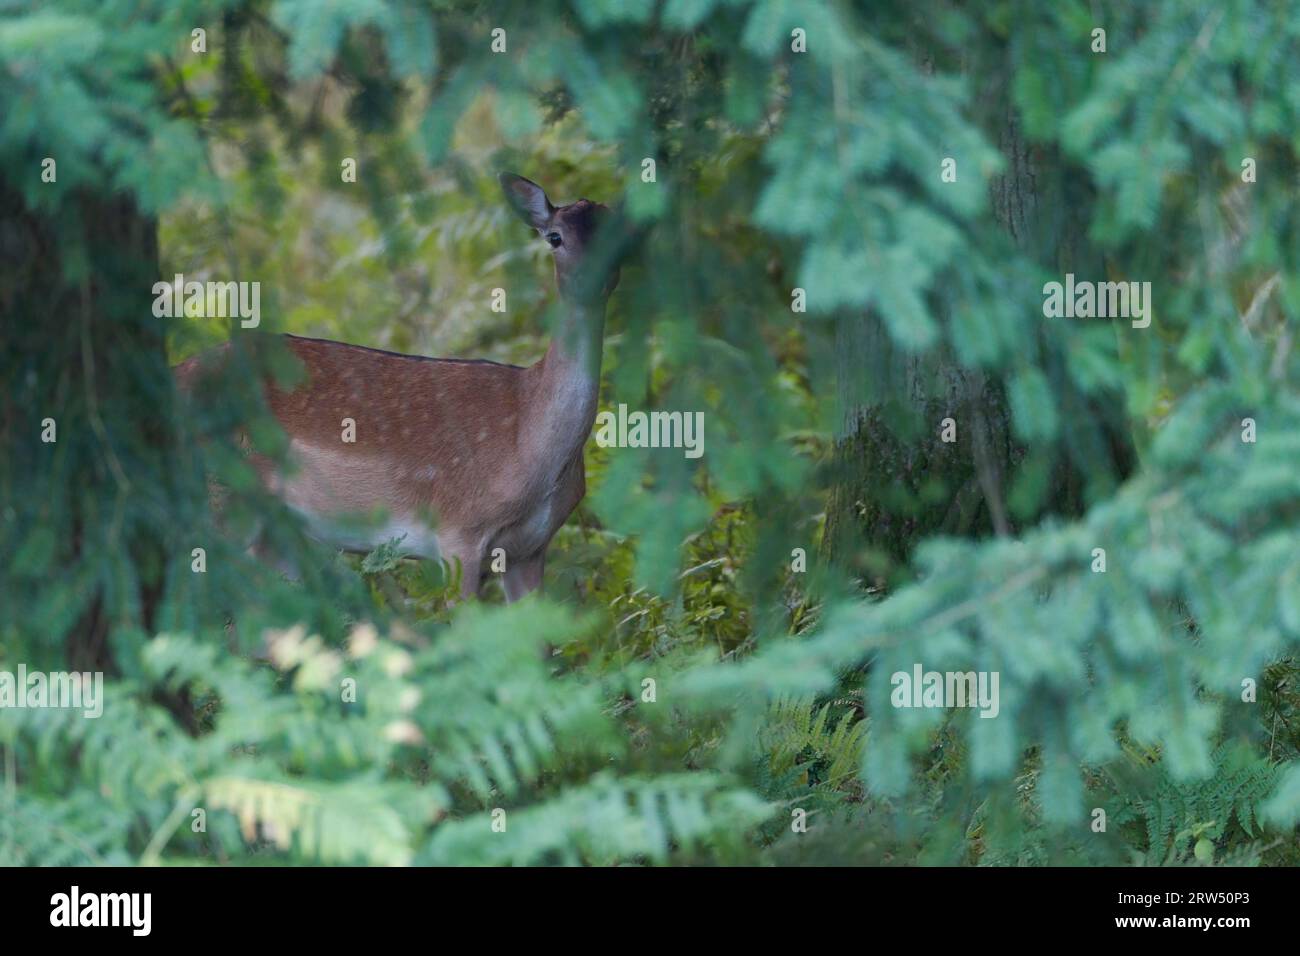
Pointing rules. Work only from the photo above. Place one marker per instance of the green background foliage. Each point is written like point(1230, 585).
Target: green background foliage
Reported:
point(678, 690)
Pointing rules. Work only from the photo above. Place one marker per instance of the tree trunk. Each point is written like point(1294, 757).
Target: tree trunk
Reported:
point(79, 345)
point(895, 480)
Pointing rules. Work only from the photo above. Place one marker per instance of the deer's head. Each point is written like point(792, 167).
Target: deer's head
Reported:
point(582, 273)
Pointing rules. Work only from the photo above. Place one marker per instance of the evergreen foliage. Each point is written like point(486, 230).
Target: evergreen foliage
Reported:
point(680, 688)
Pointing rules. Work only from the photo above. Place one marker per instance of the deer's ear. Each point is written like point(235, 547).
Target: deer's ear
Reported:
point(527, 199)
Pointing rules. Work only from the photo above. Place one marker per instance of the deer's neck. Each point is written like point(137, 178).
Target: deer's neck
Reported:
point(566, 386)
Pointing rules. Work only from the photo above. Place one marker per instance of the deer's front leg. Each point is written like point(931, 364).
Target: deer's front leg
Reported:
point(454, 549)
point(470, 578)
point(523, 577)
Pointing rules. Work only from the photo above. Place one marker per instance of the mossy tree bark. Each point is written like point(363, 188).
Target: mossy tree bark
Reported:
point(895, 479)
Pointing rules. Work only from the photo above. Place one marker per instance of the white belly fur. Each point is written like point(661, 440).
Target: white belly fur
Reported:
point(323, 487)
point(417, 540)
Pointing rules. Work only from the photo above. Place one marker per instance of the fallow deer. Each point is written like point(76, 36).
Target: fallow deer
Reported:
point(493, 452)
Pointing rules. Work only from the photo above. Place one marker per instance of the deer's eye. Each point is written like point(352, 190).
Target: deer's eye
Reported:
point(554, 239)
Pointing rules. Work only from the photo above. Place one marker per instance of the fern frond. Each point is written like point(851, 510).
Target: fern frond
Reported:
point(73, 830)
point(492, 713)
point(608, 820)
point(359, 821)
